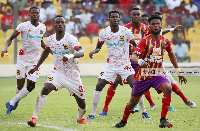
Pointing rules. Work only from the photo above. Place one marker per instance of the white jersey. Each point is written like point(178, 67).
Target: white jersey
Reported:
point(117, 44)
point(67, 45)
point(31, 37)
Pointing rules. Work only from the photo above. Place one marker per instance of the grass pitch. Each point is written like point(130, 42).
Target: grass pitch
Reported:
point(60, 109)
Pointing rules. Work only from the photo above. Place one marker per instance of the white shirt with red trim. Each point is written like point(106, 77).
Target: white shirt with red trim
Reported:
point(67, 45)
point(31, 37)
point(117, 44)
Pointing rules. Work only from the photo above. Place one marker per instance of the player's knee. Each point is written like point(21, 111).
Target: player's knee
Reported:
point(99, 86)
point(31, 86)
point(167, 89)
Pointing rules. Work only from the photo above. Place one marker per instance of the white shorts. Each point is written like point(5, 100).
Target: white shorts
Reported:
point(110, 73)
point(23, 68)
point(74, 86)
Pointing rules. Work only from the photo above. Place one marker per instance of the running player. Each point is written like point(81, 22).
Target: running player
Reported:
point(117, 39)
point(150, 51)
point(65, 74)
point(32, 33)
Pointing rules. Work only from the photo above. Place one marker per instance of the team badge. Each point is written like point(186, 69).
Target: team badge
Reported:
point(65, 46)
point(101, 73)
point(50, 78)
point(121, 38)
point(41, 31)
point(18, 72)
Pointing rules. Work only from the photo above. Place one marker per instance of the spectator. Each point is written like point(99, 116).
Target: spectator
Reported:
point(92, 28)
point(193, 9)
point(20, 5)
point(49, 26)
point(160, 2)
point(7, 21)
point(171, 4)
point(180, 10)
point(51, 12)
point(86, 17)
point(69, 25)
point(68, 11)
point(43, 16)
point(187, 20)
point(111, 1)
point(149, 9)
point(171, 19)
point(180, 51)
point(79, 27)
point(125, 3)
point(100, 18)
point(25, 13)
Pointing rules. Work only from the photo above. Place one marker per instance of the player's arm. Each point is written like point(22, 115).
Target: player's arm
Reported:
point(77, 54)
point(176, 28)
point(172, 58)
point(44, 55)
point(139, 49)
point(134, 44)
point(43, 44)
point(96, 49)
point(8, 43)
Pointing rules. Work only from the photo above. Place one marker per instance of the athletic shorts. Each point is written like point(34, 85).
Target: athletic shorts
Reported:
point(140, 87)
point(74, 86)
point(23, 68)
point(110, 73)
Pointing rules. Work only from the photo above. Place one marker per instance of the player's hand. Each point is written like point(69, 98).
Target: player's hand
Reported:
point(4, 51)
point(182, 79)
point(91, 54)
point(177, 27)
point(145, 65)
point(64, 59)
point(32, 70)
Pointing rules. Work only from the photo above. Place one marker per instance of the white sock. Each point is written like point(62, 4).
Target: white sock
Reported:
point(17, 90)
point(141, 103)
point(23, 93)
point(41, 99)
point(169, 75)
point(81, 112)
point(96, 99)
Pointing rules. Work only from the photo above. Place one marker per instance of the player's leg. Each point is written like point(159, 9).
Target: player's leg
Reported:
point(148, 97)
point(165, 87)
point(177, 90)
point(110, 94)
point(81, 110)
point(97, 96)
point(41, 99)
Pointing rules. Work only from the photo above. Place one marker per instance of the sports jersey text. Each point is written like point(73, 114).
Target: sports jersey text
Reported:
point(115, 44)
point(54, 52)
point(152, 58)
point(34, 36)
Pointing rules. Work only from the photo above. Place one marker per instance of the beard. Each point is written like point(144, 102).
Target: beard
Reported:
point(156, 33)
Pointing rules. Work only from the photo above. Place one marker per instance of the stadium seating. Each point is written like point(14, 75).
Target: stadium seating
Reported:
point(168, 35)
point(197, 24)
point(1, 34)
point(95, 40)
point(84, 41)
point(9, 32)
point(193, 32)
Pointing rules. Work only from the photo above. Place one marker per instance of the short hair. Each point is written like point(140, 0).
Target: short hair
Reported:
point(154, 16)
point(144, 15)
point(33, 7)
point(58, 16)
point(157, 12)
point(135, 8)
point(113, 11)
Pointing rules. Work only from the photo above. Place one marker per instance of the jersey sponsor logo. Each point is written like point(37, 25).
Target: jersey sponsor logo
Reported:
point(50, 78)
point(18, 72)
point(33, 36)
point(41, 31)
point(137, 37)
point(54, 52)
point(101, 73)
point(65, 46)
point(115, 44)
point(121, 38)
point(156, 51)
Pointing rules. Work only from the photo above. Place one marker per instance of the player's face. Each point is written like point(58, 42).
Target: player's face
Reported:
point(155, 26)
point(114, 19)
point(135, 15)
point(59, 24)
point(144, 20)
point(34, 14)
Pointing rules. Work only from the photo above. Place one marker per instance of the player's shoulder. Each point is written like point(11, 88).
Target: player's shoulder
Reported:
point(128, 25)
point(41, 24)
point(51, 37)
point(24, 23)
point(164, 39)
point(147, 37)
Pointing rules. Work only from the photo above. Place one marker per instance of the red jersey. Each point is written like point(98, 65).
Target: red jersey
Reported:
point(152, 52)
point(138, 33)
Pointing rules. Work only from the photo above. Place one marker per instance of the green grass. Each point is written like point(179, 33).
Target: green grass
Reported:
point(60, 109)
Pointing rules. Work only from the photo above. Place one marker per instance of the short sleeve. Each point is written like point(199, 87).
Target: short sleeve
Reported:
point(75, 42)
point(21, 27)
point(101, 37)
point(48, 44)
point(169, 46)
point(140, 47)
point(130, 36)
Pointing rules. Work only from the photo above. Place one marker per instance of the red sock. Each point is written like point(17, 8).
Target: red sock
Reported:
point(176, 89)
point(148, 97)
point(166, 100)
point(110, 94)
point(127, 113)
